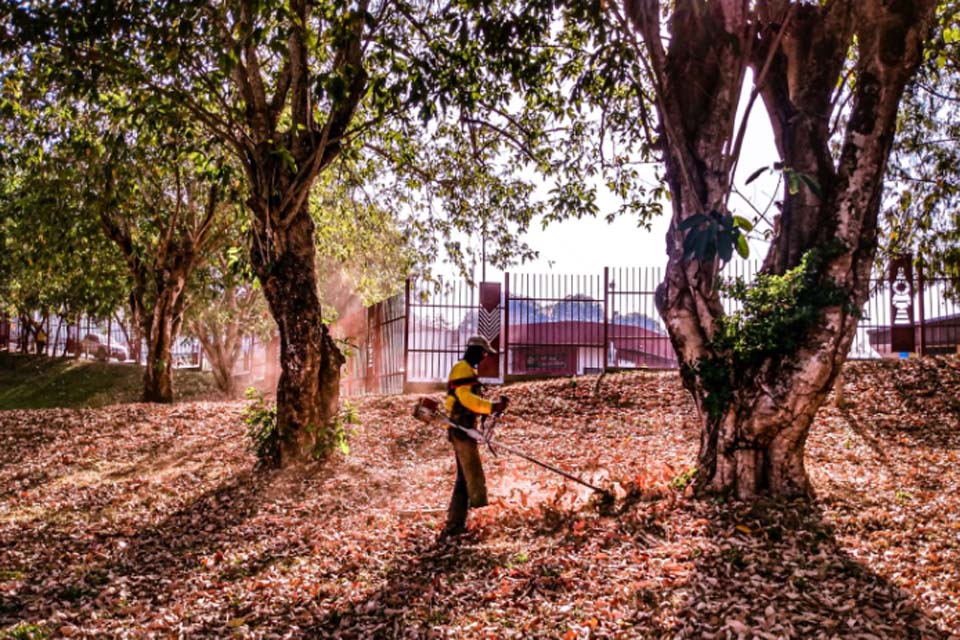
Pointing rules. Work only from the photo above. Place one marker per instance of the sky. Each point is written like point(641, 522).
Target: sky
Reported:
point(588, 245)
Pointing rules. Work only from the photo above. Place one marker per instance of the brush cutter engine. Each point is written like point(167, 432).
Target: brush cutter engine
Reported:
point(426, 410)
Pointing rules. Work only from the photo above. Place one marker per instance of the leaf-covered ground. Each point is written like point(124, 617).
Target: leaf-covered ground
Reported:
point(141, 521)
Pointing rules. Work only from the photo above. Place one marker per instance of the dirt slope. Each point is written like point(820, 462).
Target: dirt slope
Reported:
point(142, 521)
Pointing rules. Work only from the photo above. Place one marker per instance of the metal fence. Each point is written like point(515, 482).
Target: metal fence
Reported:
point(441, 319)
point(561, 325)
point(636, 337)
point(555, 324)
point(107, 340)
point(936, 327)
point(374, 341)
point(543, 325)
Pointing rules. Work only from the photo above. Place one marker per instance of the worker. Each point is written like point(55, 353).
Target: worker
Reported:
point(464, 403)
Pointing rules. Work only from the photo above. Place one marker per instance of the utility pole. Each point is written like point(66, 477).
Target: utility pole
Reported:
point(483, 255)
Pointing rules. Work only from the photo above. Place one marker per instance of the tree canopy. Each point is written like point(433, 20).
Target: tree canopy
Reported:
point(54, 258)
point(920, 214)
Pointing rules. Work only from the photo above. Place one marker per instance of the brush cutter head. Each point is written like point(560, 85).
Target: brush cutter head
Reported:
point(426, 410)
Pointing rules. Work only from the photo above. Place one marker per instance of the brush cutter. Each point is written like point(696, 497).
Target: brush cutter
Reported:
point(427, 410)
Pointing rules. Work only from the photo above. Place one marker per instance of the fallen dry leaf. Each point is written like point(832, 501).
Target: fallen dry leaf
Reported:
point(152, 521)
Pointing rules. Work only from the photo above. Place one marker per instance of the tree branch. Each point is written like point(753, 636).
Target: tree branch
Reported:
point(300, 111)
point(734, 156)
point(327, 144)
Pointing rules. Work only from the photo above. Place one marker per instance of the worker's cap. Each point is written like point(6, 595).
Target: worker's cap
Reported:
point(480, 341)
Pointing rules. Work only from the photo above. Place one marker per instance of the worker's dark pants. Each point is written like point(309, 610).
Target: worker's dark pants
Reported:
point(470, 489)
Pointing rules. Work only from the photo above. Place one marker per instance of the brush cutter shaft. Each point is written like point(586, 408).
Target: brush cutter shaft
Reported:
point(427, 410)
point(546, 466)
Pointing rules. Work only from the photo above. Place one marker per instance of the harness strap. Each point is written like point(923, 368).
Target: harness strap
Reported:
point(460, 382)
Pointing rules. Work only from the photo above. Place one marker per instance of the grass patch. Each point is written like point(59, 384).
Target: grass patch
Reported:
point(24, 631)
point(40, 382)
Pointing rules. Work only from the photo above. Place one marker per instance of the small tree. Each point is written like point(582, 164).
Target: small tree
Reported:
point(161, 197)
point(227, 308)
point(54, 260)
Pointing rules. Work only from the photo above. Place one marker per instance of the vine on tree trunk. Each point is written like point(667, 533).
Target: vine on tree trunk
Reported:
point(777, 312)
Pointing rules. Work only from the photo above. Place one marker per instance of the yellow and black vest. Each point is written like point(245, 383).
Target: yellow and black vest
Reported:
point(463, 400)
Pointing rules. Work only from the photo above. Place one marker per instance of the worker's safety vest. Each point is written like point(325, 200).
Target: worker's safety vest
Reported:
point(459, 413)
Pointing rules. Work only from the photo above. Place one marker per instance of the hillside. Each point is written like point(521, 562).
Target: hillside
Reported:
point(136, 519)
point(35, 382)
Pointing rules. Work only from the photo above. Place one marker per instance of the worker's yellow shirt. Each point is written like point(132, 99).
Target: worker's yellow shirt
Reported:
point(461, 380)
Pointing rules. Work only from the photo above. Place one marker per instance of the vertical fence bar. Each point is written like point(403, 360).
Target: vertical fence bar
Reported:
point(604, 356)
point(506, 324)
point(406, 334)
point(920, 309)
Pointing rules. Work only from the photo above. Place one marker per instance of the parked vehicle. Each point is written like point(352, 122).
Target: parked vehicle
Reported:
point(95, 345)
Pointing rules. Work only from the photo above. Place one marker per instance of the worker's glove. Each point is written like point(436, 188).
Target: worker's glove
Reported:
point(500, 405)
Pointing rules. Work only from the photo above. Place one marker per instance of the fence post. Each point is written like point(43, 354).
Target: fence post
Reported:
point(604, 353)
point(406, 333)
point(109, 337)
point(378, 316)
point(920, 310)
point(506, 325)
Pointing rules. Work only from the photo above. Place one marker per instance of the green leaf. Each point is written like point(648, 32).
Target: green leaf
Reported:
point(692, 221)
point(725, 242)
point(793, 182)
point(288, 160)
point(742, 223)
point(703, 245)
point(742, 247)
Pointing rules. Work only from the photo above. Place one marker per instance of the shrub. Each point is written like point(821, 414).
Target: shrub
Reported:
point(261, 419)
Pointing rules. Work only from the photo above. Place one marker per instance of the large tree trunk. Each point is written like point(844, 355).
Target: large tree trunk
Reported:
point(163, 331)
point(755, 417)
point(283, 251)
point(158, 372)
point(309, 386)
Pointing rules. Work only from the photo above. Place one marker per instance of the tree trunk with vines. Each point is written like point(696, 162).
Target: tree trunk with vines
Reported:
point(756, 412)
